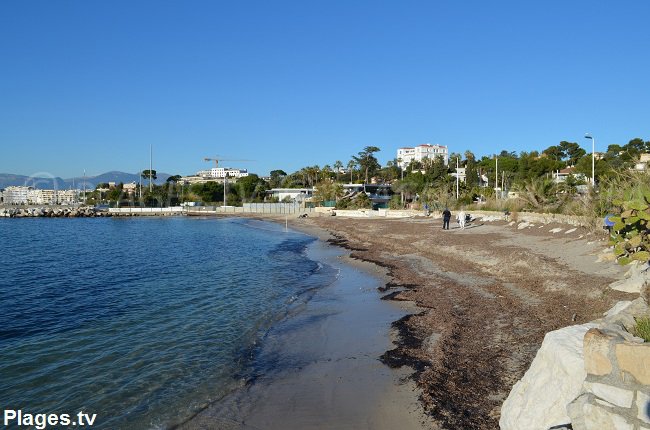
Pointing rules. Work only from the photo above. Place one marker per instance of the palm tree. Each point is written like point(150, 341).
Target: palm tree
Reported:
point(338, 166)
point(312, 175)
point(326, 171)
point(351, 165)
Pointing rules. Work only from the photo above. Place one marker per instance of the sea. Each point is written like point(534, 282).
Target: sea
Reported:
point(143, 322)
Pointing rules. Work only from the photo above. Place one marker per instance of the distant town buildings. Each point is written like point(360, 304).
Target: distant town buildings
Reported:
point(418, 153)
point(130, 187)
point(22, 195)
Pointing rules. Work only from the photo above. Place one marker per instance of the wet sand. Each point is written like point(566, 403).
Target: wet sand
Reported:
point(488, 295)
point(321, 366)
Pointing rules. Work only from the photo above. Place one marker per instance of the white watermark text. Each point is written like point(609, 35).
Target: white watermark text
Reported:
point(43, 421)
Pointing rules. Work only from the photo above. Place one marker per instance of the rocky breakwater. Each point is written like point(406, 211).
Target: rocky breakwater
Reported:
point(46, 212)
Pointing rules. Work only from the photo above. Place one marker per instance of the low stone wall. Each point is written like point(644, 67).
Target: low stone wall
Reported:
point(128, 211)
point(535, 218)
point(616, 391)
point(486, 216)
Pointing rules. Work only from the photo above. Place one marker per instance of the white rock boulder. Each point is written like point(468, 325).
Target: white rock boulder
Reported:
point(539, 400)
point(637, 275)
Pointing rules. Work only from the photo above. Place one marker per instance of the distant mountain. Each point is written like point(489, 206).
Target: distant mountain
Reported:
point(45, 183)
point(116, 177)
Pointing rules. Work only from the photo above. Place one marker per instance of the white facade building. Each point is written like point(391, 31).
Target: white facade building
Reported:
point(21, 195)
point(460, 173)
point(223, 172)
point(130, 188)
point(292, 194)
point(16, 195)
point(420, 152)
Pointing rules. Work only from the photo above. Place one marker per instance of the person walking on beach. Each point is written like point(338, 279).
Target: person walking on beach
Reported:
point(461, 219)
point(446, 216)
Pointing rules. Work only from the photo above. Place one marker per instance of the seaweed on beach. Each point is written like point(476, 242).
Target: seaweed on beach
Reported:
point(393, 285)
point(407, 340)
point(338, 240)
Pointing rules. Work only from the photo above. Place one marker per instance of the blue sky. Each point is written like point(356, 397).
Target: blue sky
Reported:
point(90, 85)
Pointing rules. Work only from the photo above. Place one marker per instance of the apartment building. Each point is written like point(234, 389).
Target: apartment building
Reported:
point(21, 195)
point(418, 153)
point(16, 195)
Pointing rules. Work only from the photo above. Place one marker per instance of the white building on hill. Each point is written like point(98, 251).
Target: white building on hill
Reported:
point(222, 172)
point(418, 153)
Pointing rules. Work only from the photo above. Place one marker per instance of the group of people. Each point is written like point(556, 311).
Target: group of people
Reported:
point(460, 218)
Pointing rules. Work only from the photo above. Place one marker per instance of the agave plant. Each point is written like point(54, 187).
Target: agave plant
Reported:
point(631, 233)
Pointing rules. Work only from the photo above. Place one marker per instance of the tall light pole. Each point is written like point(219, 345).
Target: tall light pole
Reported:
point(150, 165)
point(496, 176)
point(457, 175)
point(593, 159)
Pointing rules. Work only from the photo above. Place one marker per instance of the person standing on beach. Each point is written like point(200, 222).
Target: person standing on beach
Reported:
point(446, 216)
point(461, 219)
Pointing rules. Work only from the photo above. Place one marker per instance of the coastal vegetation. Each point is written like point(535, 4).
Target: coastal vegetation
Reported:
point(630, 235)
point(506, 181)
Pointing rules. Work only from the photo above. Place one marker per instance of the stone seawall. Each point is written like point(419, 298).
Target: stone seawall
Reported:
point(46, 212)
point(615, 393)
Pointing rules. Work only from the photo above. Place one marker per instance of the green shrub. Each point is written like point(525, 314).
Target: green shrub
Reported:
point(642, 328)
point(631, 235)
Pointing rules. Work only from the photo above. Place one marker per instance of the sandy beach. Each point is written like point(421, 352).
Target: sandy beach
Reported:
point(320, 368)
point(487, 294)
point(474, 306)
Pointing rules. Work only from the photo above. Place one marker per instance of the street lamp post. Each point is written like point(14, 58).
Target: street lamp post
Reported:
point(593, 158)
point(457, 179)
point(496, 176)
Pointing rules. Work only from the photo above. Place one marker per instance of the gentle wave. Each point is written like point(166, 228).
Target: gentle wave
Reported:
point(141, 321)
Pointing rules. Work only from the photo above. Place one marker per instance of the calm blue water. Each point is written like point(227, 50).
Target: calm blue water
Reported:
point(142, 321)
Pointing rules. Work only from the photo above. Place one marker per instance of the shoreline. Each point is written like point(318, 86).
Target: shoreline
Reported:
point(488, 293)
point(334, 377)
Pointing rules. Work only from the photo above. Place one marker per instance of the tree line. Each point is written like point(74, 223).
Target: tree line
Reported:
point(426, 181)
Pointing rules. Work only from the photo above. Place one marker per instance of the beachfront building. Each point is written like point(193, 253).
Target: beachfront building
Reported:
point(52, 197)
point(69, 197)
point(418, 153)
point(16, 195)
point(222, 172)
point(22, 195)
point(379, 194)
point(41, 197)
point(290, 194)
